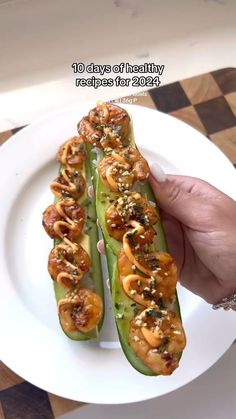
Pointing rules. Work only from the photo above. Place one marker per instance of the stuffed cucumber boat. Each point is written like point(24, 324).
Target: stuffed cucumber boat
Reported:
point(143, 275)
point(74, 262)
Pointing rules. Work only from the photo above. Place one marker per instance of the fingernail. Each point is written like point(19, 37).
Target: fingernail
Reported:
point(101, 247)
point(91, 193)
point(158, 173)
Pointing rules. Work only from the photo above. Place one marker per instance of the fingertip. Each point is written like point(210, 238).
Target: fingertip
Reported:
point(156, 186)
point(101, 247)
point(158, 173)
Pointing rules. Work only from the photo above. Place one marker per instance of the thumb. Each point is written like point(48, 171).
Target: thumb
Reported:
point(182, 197)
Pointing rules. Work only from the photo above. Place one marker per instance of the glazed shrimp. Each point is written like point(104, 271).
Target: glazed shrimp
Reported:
point(157, 338)
point(127, 208)
point(106, 126)
point(81, 310)
point(159, 265)
point(72, 152)
point(122, 169)
point(67, 265)
point(145, 290)
point(70, 183)
point(64, 220)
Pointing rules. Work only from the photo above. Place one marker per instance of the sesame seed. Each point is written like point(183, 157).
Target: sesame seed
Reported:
point(136, 338)
point(133, 292)
point(153, 204)
point(119, 316)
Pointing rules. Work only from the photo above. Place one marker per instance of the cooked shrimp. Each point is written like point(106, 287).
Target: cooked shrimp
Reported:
point(159, 265)
point(50, 216)
point(70, 183)
point(144, 290)
point(157, 338)
point(81, 310)
point(122, 169)
point(131, 207)
point(72, 152)
point(106, 126)
point(117, 176)
point(67, 265)
point(64, 219)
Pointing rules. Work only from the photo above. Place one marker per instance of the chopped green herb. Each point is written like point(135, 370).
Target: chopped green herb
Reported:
point(86, 202)
point(161, 303)
point(154, 313)
point(100, 127)
point(136, 311)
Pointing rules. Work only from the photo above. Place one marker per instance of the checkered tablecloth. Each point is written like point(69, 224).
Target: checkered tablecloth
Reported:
point(208, 103)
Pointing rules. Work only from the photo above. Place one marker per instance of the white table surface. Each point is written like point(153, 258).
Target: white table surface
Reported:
point(39, 40)
point(210, 396)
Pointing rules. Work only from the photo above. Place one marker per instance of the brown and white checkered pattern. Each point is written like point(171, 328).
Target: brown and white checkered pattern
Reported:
point(206, 102)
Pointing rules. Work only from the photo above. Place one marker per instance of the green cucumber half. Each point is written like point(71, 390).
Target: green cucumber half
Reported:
point(124, 308)
point(94, 278)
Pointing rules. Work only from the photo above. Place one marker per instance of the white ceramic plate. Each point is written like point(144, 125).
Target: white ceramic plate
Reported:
point(32, 343)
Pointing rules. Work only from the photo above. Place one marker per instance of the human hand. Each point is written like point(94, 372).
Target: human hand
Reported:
point(200, 225)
